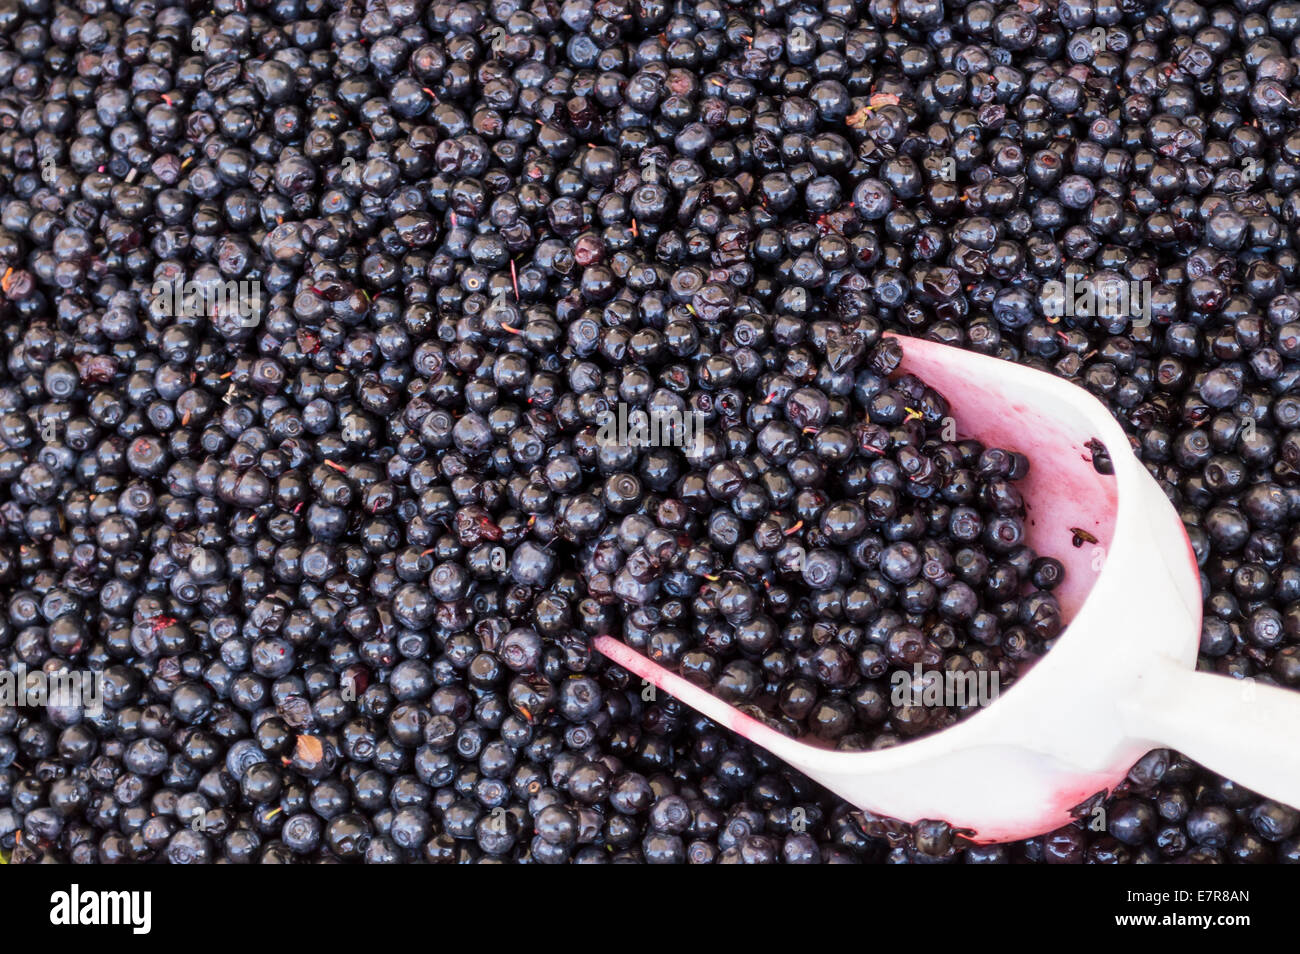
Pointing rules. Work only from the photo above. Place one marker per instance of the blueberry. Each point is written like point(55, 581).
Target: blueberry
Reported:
point(313, 337)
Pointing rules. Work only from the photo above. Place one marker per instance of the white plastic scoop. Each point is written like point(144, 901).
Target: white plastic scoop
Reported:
point(1120, 680)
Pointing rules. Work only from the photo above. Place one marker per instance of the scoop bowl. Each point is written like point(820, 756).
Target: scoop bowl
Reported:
point(1120, 680)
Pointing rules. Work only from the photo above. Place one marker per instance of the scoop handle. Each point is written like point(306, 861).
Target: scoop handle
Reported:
point(1239, 728)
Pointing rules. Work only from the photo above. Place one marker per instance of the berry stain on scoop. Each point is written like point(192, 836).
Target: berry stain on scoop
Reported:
point(363, 362)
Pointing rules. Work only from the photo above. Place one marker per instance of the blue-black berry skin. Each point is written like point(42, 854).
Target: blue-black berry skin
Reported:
point(319, 325)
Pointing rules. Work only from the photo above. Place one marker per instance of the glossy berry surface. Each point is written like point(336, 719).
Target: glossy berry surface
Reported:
point(315, 317)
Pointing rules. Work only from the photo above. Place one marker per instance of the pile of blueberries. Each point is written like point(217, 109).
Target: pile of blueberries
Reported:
point(919, 580)
point(312, 311)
